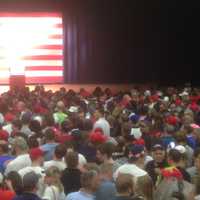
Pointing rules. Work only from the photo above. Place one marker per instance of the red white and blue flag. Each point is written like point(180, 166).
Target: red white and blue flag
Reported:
point(31, 44)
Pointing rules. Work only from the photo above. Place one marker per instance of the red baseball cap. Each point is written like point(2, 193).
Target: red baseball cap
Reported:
point(35, 153)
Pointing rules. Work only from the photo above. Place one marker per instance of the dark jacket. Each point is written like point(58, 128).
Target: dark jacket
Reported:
point(71, 180)
point(27, 196)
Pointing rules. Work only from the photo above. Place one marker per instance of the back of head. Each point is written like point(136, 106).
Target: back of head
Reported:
point(55, 173)
point(16, 181)
point(174, 155)
point(107, 149)
point(60, 151)
point(20, 143)
point(4, 148)
point(87, 179)
point(180, 137)
point(30, 182)
point(60, 106)
point(136, 153)
point(71, 160)
point(49, 135)
point(125, 184)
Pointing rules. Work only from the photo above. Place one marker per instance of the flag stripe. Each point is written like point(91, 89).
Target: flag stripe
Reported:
point(44, 57)
point(34, 52)
point(37, 68)
point(56, 36)
point(43, 62)
point(4, 80)
point(51, 79)
point(30, 14)
point(50, 47)
point(45, 73)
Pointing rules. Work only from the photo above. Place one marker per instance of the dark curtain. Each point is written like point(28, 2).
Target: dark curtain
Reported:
point(125, 41)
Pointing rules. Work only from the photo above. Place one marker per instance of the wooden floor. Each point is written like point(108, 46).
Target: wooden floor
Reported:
point(76, 87)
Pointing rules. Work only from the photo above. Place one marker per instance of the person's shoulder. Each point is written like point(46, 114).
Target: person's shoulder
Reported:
point(47, 163)
point(150, 164)
point(191, 170)
point(72, 195)
point(107, 184)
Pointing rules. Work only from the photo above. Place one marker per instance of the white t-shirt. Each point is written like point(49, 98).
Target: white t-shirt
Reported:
point(103, 124)
point(53, 193)
point(37, 169)
point(81, 160)
point(18, 163)
point(59, 164)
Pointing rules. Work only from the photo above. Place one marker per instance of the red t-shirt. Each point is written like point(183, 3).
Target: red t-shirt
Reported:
point(6, 194)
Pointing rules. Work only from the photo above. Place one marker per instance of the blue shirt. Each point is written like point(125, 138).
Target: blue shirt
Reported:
point(191, 141)
point(3, 162)
point(48, 150)
point(79, 196)
point(106, 191)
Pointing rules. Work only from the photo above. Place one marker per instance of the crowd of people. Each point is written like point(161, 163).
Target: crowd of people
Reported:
point(142, 144)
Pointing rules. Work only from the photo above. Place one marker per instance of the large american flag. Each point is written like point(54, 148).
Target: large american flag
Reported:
point(31, 44)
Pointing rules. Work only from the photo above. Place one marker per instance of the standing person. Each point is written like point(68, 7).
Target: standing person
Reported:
point(107, 189)
point(22, 159)
point(144, 187)
point(37, 158)
point(102, 123)
point(50, 144)
point(135, 165)
point(175, 158)
point(58, 156)
point(4, 156)
point(89, 185)
point(13, 182)
point(60, 116)
point(104, 155)
point(194, 171)
point(7, 191)
point(70, 177)
point(30, 181)
point(26, 118)
point(159, 161)
point(54, 189)
point(197, 188)
point(125, 187)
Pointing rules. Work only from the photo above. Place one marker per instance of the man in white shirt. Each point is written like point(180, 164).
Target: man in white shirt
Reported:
point(135, 164)
point(57, 161)
point(37, 157)
point(22, 159)
point(103, 124)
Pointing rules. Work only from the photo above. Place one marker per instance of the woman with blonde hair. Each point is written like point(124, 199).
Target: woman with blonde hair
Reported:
point(54, 189)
